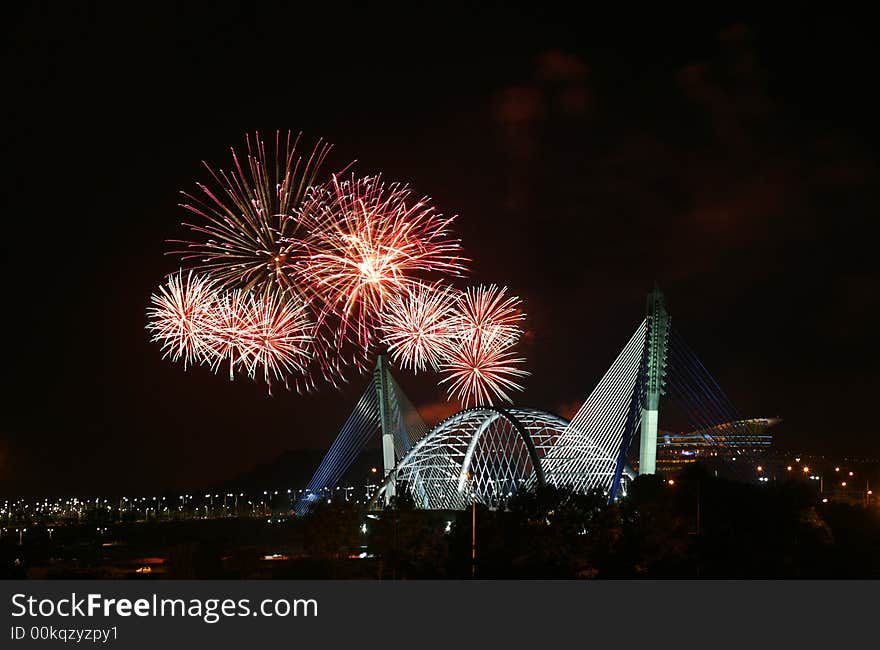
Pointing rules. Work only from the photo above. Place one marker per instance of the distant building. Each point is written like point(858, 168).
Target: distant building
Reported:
point(719, 442)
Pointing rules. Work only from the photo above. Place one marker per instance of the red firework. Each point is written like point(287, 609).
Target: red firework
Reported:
point(488, 311)
point(417, 326)
point(227, 342)
point(249, 231)
point(301, 280)
point(482, 370)
point(180, 317)
point(368, 242)
point(265, 332)
point(278, 338)
point(480, 366)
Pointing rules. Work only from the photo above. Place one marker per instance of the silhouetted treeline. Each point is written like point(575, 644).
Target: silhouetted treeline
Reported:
point(700, 526)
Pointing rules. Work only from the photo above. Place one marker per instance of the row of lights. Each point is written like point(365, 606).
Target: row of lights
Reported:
point(76, 506)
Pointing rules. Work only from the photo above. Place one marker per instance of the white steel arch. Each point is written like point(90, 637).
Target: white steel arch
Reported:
point(482, 454)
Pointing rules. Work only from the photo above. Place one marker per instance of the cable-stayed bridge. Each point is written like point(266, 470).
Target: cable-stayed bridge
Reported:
point(382, 410)
point(486, 454)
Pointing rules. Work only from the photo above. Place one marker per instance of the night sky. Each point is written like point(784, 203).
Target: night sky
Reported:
point(731, 159)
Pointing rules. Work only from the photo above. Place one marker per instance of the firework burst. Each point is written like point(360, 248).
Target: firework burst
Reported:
point(299, 280)
point(278, 336)
point(262, 333)
point(368, 242)
point(248, 227)
point(253, 332)
point(180, 316)
point(487, 311)
point(479, 366)
point(417, 326)
point(482, 370)
point(228, 338)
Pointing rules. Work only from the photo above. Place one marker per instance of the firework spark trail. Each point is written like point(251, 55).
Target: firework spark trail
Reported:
point(482, 370)
point(480, 367)
point(250, 214)
point(417, 326)
point(368, 242)
point(277, 336)
point(260, 331)
point(227, 341)
point(488, 311)
point(180, 316)
point(252, 331)
point(249, 221)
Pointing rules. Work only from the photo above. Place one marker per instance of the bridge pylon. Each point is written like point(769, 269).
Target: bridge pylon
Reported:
point(656, 344)
point(380, 380)
point(382, 409)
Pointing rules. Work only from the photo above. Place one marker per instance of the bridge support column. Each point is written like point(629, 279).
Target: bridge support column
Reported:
point(388, 453)
point(655, 379)
point(648, 445)
point(388, 463)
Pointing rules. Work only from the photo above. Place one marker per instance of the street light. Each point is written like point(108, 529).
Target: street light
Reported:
point(468, 477)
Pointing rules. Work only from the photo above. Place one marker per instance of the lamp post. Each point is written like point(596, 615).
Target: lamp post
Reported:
point(473, 535)
point(469, 479)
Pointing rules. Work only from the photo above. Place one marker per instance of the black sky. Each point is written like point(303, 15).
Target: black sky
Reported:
point(732, 159)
